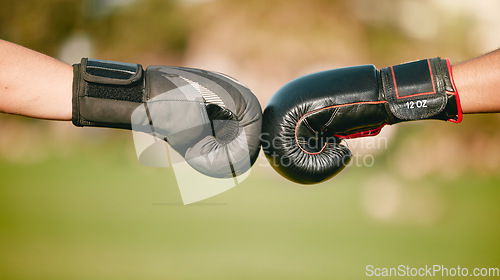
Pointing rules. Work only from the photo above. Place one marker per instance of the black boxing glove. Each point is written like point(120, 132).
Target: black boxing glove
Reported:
point(306, 119)
point(212, 120)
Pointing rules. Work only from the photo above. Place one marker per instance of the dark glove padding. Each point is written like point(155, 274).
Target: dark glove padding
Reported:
point(306, 119)
point(307, 109)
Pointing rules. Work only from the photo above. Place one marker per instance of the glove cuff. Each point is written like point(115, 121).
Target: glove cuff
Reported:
point(420, 90)
point(105, 93)
point(455, 108)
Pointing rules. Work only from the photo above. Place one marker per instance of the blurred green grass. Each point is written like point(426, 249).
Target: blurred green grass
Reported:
point(98, 214)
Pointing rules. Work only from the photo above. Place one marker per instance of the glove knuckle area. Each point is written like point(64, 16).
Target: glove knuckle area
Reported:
point(229, 143)
point(237, 124)
point(305, 120)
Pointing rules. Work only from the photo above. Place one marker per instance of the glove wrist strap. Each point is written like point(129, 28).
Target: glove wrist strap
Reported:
point(105, 93)
point(420, 90)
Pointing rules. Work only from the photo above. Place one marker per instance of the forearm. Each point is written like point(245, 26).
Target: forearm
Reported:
point(33, 84)
point(478, 83)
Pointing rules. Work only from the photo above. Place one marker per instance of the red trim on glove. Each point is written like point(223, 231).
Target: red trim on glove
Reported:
point(366, 133)
point(371, 132)
point(457, 98)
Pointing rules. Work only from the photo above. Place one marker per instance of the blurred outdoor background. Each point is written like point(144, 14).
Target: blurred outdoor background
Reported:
point(76, 204)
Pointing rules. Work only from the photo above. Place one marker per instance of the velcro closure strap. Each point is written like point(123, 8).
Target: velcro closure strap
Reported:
point(105, 93)
point(413, 79)
point(110, 72)
point(416, 90)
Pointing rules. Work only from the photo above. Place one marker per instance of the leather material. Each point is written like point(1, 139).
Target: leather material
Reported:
point(211, 119)
point(306, 120)
point(418, 90)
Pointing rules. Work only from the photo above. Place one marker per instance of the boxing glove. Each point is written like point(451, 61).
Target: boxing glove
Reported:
point(306, 120)
point(211, 119)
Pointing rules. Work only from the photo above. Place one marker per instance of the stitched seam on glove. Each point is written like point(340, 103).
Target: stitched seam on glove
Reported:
point(331, 118)
point(329, 107)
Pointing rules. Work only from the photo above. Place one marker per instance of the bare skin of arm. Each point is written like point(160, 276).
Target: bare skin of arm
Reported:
point(478, 83)
point(35, 85)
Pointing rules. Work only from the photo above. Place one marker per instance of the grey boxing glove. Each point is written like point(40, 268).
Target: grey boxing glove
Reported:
point(211, 119)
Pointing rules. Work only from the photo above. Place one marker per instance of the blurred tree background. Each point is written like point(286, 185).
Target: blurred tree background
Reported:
point(76, 204)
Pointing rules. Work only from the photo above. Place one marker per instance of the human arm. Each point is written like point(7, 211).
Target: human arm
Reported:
point(33, 84)
point(478, 83)
point(219, 136)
